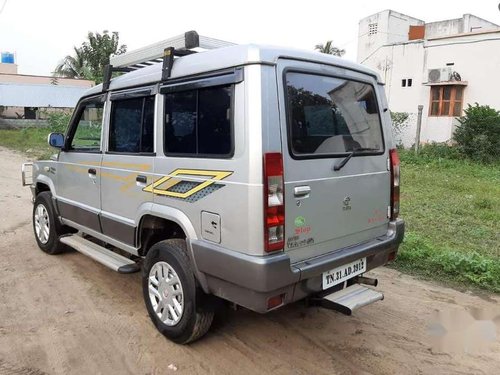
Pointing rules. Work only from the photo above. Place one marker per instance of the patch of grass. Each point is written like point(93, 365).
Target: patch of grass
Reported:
point(420, 256)
point(30, 141)
point(452, 211)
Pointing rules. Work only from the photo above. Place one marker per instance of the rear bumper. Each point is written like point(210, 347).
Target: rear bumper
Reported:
point(250, 280)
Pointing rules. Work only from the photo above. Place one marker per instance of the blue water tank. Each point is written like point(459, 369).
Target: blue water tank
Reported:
point(7, 58)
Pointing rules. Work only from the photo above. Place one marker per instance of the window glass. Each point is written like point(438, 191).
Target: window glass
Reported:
point(445, 108)
point(434, 108)
point(87, 136)
point(148, 126)
point(132, 125)
point(331, 115)
point(435, 93)
point(457, 109)
point(180, 129)
point(447, 92)
point(198, 122)
point(214, 121)
point(410, 82)
point(125, 127)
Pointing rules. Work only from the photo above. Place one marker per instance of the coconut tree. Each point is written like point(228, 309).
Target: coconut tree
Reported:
point(329, 49)
point(73, 66)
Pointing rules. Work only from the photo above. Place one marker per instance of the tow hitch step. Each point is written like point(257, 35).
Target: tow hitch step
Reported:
point(349, 299)
point(100, 254)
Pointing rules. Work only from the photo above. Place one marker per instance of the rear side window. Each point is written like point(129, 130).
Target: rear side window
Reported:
point(132, 125)
point(199, 122)
point(328, 116)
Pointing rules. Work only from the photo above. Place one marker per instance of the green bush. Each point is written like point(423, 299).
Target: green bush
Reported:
point(58, 121)
point(478, 135)
point(431, 153)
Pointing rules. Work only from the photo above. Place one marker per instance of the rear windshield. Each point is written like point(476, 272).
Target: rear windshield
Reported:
point(328, 116)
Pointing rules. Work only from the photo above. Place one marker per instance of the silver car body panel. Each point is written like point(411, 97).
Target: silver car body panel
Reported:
point(111, 205)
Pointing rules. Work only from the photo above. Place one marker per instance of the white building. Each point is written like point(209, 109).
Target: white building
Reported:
point(441, 65)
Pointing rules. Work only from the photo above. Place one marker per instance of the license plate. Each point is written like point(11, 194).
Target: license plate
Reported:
point(343, 273)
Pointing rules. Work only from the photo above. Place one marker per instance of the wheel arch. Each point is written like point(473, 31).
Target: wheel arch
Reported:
point(172, 219)
point(44, 183)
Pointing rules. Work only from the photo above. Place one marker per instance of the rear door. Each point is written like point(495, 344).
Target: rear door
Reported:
point(128, 164)
point(337, 184)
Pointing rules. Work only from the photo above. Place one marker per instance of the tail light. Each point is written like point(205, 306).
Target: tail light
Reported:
point(395, 179)
point(274, 204)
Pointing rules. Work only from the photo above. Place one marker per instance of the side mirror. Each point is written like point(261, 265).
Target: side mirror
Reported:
point(56, 140)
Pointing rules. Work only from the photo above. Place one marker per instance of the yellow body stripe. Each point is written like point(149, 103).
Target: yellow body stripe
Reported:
point(171, 180)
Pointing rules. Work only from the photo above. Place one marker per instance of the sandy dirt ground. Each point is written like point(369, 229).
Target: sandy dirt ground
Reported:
point(69, 315)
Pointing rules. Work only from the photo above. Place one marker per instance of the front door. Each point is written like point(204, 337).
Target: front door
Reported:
point(79, 166)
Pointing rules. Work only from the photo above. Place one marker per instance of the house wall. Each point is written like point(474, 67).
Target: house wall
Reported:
point(8, 68)
point(471, 56)
point(468, 23)
point(44, 80)
point(392, 27)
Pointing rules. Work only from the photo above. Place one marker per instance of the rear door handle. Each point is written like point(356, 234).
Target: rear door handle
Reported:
point(301, 191)
point(92, 171)
point(141, 179)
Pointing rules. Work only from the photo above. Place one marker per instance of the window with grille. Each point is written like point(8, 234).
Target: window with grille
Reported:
point(446, 100)
point(372, 28)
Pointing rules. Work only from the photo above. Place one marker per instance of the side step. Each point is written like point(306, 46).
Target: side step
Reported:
point(100, 254)
point(349, 299)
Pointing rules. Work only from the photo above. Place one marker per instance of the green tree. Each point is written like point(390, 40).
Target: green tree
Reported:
point(329, 49)
point(98, 49)
point(73, 66)
point(90, 58)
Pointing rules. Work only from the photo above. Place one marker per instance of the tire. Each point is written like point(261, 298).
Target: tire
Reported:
point(193, 309)
point(44, 213)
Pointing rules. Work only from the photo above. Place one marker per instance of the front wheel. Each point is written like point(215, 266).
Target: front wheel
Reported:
point(46, 225)
point(177, 306)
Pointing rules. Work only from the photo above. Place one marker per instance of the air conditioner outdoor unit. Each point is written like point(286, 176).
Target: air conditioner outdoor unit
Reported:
point(438, 75)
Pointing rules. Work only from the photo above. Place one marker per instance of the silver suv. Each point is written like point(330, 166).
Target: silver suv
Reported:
point(256, 175)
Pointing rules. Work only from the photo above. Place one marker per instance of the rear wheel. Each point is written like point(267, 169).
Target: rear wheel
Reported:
point(46, 225)
point(179, 309)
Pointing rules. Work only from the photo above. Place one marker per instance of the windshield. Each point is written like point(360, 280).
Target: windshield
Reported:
point(328, 116)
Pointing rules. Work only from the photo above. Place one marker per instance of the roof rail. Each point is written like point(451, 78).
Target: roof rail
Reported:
point(165, 51)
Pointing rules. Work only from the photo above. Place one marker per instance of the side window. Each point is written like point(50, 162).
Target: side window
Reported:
point(132, 125)
point(87, 136)
point(199, 122)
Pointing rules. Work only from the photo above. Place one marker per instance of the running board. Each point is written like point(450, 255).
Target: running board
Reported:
point(100, 254)
point(349, 299)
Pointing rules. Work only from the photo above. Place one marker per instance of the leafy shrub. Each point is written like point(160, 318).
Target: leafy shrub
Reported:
point(399, 124)
point(431, 153)
point(478, 135)
point(58, 121)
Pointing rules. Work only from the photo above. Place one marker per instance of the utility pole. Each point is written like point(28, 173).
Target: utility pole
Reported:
point(419, 126)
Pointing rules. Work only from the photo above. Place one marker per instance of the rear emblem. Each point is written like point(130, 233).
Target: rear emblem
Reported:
point(347, 203)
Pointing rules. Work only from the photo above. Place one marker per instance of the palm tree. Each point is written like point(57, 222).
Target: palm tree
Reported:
point(329, 49)
point(73, 66)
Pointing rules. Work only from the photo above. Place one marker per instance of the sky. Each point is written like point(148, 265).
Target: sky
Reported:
point(42, 32)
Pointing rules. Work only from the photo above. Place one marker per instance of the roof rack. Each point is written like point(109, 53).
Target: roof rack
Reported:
point(163, 51)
